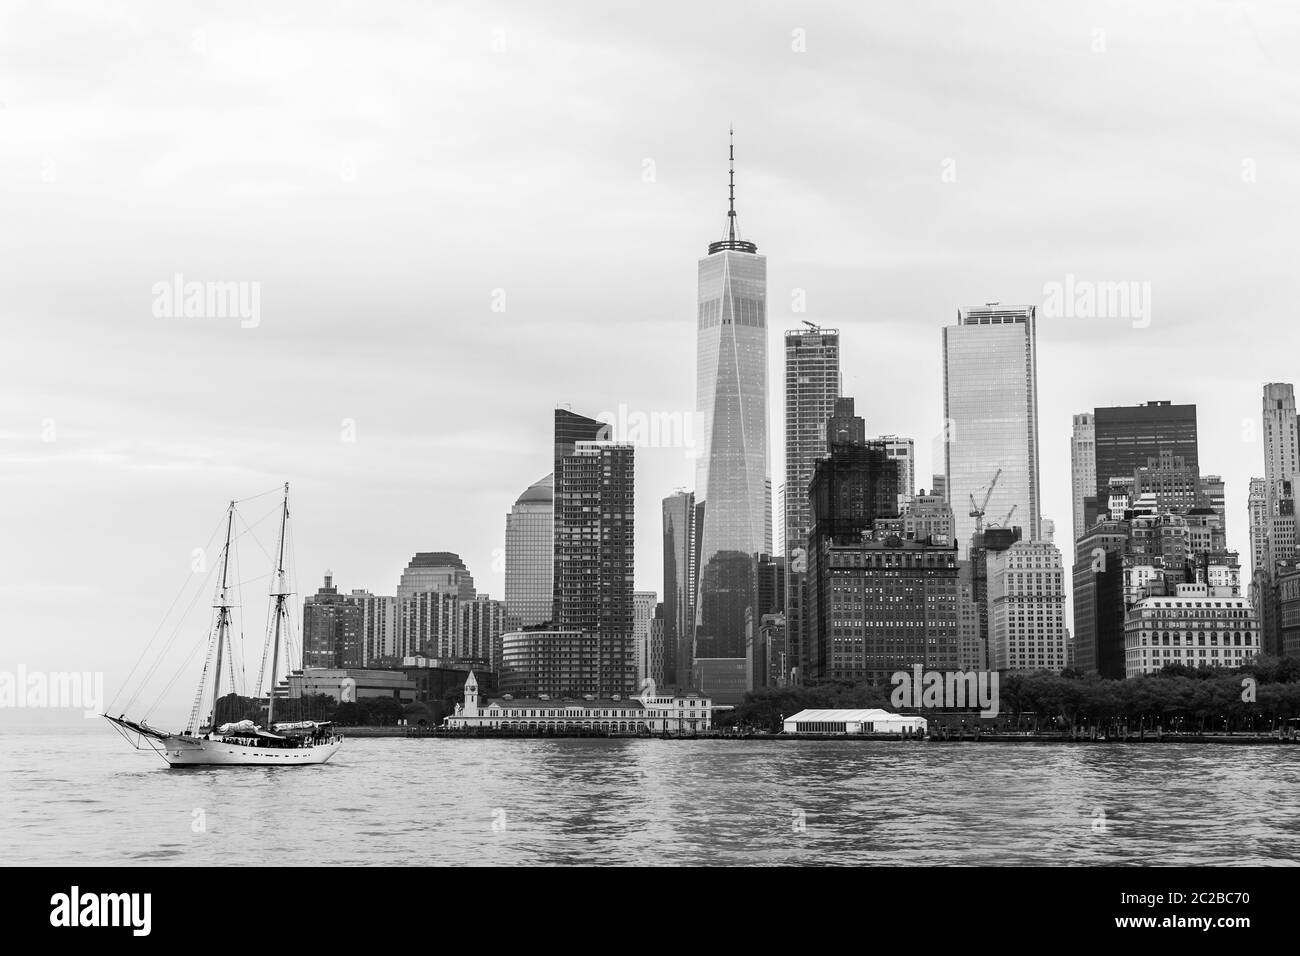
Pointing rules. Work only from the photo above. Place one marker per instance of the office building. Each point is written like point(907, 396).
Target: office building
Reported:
point(643, 614)
point(1083, 469)
point(1026, 598)
point(812, 384)
point(1127, 437)
point(1197, 625)
point(679, 586)
point(733, 479)
point(991, 412)
point(902, 450)
point(1281, 438)
point(530, 556)
point(883, 605)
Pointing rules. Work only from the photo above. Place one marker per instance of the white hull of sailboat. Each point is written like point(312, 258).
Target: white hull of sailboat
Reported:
point(192, 752)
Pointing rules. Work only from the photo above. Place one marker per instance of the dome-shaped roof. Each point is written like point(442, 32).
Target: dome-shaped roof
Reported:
point(540, 492)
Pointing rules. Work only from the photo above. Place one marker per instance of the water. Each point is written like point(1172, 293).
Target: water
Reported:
point(86, 798)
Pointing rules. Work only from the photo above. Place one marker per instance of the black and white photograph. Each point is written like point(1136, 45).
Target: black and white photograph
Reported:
point(698, 435)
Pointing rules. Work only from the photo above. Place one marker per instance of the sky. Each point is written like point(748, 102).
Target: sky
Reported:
point(459, 216)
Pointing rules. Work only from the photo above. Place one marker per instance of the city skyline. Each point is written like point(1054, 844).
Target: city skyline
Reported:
point(145, 439)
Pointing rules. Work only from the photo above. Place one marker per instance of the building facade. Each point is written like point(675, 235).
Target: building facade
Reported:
point(1196, 626)
point(884, 605)
point(558, 663)
point(594, 556)
point(643, 614)
point(679, 586)
point(1083, 469)
point(990, 376)
point(1027, 608)
point(733, 485)
point(380, 640)
point(430, 572)
point(530, 556)
point(902, 450)
point(331, 628)
point(648, 713)
point(1126, 437)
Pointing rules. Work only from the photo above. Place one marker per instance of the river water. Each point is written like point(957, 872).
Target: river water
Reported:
point(86, 798)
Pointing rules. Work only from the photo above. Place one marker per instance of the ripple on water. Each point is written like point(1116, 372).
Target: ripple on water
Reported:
point(651, 802)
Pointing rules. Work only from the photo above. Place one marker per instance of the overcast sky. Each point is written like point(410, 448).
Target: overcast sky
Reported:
point(390, 172)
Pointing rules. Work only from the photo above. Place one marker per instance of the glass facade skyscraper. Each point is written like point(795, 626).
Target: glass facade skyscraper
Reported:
point(990, 402)
point(733, 479)
point(679, 586)
point(1126, 437)
point(530, 556)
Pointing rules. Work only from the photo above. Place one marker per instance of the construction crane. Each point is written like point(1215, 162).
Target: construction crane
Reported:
point(1005, 522)
point(977, 511)
point(811, 325)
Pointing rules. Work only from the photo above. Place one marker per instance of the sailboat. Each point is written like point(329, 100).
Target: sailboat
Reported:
point(243, 742)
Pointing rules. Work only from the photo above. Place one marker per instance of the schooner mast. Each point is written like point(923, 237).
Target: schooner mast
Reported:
point(223, 606)
point(280, 591)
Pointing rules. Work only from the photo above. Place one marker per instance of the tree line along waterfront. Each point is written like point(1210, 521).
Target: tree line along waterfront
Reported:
point(1262, 696)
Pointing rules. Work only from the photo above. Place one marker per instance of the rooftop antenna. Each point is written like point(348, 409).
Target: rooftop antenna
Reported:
point(730, 239)
point(731, 186)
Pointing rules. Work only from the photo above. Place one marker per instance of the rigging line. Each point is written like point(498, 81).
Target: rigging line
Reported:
point(215, 531)
point(166, 648)
point(260, 494)
point(184, 666)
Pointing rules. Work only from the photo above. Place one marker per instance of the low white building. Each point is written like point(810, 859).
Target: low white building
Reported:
point(649, 712)
point(872, 721)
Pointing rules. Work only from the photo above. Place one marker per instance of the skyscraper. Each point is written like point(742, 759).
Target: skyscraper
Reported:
point(482, 622)
point(331, 628)
point(1026, 612)
point(812, 383)
point(733, 480)
point(1281, 437)
point(904, 450)
point(594, 556)
point(679, 586)
point(427, 593)
point(1125, 437)
point(570, 429)
point(851, 488)
point(1083, 469)
point(1257, 514)
point(643, 612)
point(379, 628)
point(530, 553)
point(990, 402)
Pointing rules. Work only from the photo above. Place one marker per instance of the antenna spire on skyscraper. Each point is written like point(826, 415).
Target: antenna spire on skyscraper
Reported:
point(730, 238)
point(731, 188)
